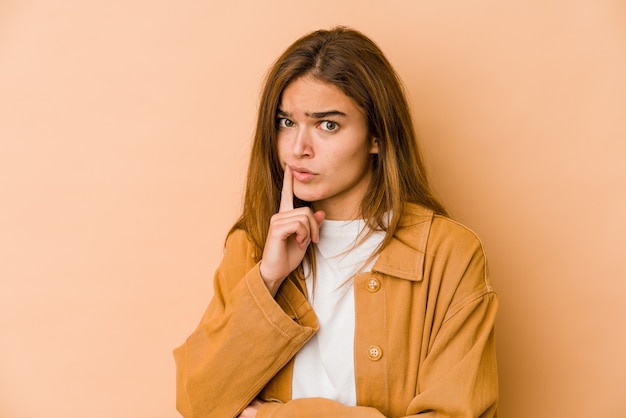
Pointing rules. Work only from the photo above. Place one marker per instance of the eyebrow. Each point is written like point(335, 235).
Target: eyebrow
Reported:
point(315, 115)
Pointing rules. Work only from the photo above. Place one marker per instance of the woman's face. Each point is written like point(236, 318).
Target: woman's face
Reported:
point(324, 139)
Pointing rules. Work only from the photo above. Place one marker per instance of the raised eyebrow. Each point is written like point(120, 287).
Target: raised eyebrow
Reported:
point(314, 115)
point(322, 115)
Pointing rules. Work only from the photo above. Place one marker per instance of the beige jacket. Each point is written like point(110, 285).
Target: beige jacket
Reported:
point(424, 339)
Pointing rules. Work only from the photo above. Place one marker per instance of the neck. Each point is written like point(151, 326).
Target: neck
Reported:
point(338, 213)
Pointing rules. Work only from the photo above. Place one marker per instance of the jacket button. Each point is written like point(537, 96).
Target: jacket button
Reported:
point(373, 285)
point(374, 353)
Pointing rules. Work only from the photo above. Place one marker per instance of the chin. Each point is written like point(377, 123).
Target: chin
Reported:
point(308, 197)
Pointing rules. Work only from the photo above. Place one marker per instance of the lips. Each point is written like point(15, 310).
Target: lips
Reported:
point(301, 174)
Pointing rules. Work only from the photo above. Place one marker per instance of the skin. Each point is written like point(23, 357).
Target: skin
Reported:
point(290, 233)
point(323, 137)
point(324, 146)
point(251, 410)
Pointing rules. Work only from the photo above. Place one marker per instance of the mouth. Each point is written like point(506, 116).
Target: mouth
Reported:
point(302, 174)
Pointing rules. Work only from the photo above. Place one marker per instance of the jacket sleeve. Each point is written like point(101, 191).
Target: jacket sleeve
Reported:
point(458, 375)
point(315, 408)
point(244, 338)
point(459, 378)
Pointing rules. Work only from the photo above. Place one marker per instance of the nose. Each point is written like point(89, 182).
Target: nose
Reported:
point(303, 144)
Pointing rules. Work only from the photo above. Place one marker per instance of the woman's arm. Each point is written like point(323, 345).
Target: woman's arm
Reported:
point(246, 336)
point(243, 340)
point(459, 378)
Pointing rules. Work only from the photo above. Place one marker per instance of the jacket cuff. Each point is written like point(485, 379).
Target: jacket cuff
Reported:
point(290, 313)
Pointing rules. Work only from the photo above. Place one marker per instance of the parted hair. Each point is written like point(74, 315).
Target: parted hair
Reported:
point(352, 62)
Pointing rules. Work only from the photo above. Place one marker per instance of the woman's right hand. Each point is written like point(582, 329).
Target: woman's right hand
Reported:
point(290, 233)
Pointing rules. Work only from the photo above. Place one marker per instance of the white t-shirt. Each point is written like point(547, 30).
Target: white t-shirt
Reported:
point(324, 367)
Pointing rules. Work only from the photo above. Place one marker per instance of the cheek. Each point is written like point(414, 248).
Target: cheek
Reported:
point(360, 156)
point(281, 148)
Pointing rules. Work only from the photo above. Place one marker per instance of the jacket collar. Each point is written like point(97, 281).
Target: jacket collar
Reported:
point(403, 256)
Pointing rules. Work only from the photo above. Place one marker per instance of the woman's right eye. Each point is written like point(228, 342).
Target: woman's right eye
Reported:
point(285, 123)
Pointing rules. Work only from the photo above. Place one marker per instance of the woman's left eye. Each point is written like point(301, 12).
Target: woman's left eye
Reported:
point(329, 125)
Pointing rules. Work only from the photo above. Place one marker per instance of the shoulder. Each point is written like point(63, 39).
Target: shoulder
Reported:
point(424, 241)
point(418, 221)
point(456, 250)
point(446, 232)
point(449, 247)
point(237, 241)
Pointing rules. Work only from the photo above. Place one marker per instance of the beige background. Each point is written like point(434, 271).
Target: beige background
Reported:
point(124, 137)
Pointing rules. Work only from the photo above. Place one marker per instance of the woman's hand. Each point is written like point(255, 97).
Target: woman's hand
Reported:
point(251, 410)
point(290, 233)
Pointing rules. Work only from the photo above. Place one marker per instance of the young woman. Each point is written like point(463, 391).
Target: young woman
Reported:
point(344, 291)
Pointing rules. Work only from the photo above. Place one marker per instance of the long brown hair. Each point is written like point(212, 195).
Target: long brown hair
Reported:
point(351, 61)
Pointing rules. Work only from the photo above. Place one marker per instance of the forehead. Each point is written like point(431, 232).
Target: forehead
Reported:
point(307, 94)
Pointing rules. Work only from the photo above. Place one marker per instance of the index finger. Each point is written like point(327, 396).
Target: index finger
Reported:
point(286, 195)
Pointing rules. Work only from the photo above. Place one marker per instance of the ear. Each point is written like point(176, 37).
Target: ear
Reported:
point(374, 146)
